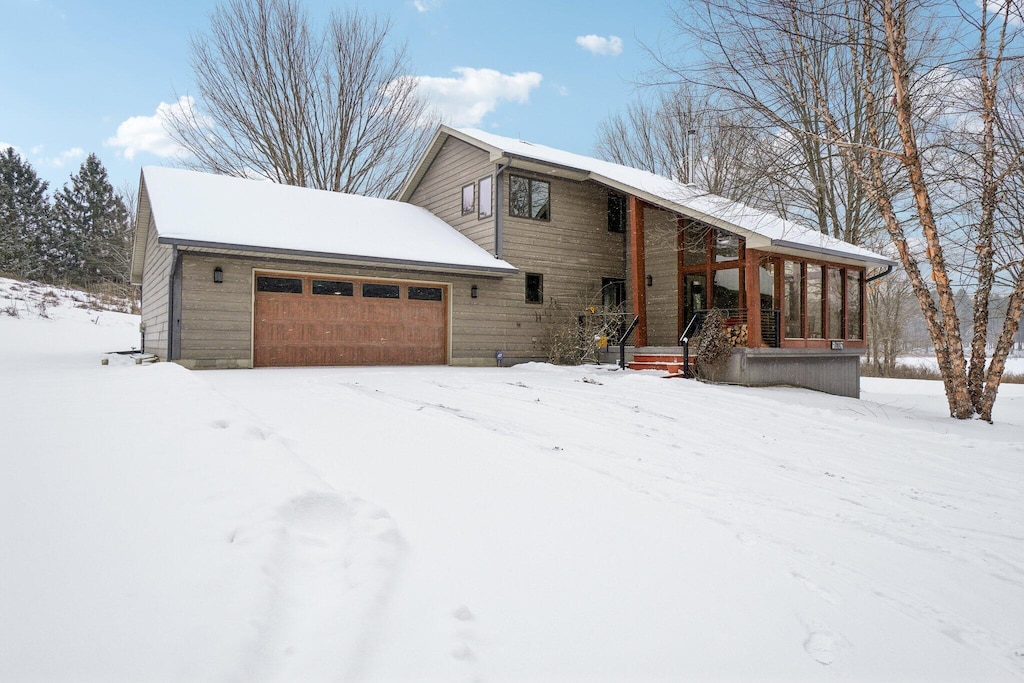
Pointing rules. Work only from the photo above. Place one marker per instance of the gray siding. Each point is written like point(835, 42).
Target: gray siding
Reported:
point(217, 318)
point(456, 165)
point(573, 251)
point(661, 258)
point(156, 287)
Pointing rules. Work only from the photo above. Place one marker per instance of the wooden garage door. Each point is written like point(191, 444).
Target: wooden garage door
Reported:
point(326, 320)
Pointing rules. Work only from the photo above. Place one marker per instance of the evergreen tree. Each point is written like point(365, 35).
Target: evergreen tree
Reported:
point(93, 225)
point(25, 217)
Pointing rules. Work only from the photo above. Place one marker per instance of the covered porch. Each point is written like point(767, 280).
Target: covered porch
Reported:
point(794, 310)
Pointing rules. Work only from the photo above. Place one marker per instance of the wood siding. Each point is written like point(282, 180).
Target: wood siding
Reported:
point(573, 252)
point(440, 192)
point(156, 289)
point(217, 317)
point(662, 256)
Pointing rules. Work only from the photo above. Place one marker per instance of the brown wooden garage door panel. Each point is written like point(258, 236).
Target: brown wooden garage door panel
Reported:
point(317, 330)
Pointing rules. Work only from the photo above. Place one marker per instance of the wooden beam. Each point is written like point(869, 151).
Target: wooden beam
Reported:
point(752, 280)
point(681, 226)
point(638, 268)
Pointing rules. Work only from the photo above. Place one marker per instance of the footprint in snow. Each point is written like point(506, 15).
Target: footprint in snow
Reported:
point(821, 645)
point(463, 648)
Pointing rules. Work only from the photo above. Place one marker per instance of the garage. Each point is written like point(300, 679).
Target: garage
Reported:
point(325, 320)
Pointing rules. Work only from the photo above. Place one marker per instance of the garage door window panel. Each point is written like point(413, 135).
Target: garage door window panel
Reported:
point(332, 288)
point(373, 290)
point(279, 285)
point(425, 293)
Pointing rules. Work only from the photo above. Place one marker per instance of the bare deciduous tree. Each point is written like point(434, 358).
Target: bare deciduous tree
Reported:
point(766, 54)
point(329, 109)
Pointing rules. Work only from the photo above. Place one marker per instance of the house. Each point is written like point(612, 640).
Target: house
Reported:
point(490, 239)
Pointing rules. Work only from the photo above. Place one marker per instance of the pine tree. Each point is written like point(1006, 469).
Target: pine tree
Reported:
point(25, 217)
point(92, 222)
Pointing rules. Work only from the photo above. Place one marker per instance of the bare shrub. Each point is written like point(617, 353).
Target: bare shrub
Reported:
point(713, 346)
point(579, 331)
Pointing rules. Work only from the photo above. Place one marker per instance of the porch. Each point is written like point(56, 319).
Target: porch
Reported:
point(794, 316)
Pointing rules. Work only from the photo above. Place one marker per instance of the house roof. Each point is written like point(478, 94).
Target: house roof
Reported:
point(201, 210)
point(762, 230)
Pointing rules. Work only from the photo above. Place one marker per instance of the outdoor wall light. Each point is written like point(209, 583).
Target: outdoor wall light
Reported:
point(650, 280)
point(218, 274)
point(473, 292)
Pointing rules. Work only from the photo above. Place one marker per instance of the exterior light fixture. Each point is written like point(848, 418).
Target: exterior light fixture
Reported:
point(218, 275)
point(650, 280)
point(473, 291)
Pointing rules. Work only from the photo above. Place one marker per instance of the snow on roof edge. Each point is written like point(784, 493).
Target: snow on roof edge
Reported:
point(246, 214)
point(682, 198)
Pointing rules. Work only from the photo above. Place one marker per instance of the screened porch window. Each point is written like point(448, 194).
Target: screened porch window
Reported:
point(727, 288)
point(815, 302)
point(835, 303)
point(853, 304)
point(793, 294)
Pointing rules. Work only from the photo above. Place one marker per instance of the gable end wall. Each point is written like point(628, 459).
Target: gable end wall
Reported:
point(156, 283)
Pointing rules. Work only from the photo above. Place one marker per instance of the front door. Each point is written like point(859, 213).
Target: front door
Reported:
point(695, 288)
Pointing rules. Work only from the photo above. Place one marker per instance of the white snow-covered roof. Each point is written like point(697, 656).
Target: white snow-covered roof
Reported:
point(204, 210)
point(761, 229)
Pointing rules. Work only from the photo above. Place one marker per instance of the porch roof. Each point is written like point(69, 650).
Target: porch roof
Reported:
point(762, 230)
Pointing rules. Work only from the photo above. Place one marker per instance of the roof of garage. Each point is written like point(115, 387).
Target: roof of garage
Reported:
point(219, 212)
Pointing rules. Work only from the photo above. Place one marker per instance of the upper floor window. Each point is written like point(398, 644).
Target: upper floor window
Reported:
point(727, 246)
point(616, 212)
point(485, 197)
point(468, 198)
point(529, 198)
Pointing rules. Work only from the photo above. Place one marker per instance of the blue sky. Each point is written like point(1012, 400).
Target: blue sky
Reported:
point(81, 77)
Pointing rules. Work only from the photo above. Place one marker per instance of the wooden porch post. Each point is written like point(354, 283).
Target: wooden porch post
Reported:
point(639, 268)
point(752, 276)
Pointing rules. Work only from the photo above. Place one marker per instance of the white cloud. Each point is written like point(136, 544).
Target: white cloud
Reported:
point(599, 45)
point(62, 159)
point(149, 133)
point(563, 91)
point(5, 145)
point(465, 100)
point(425, 5)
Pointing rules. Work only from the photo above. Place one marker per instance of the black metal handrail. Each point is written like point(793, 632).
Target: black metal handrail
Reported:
point(623, 339)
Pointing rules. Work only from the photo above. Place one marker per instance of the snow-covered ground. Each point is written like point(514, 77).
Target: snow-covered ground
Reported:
point(525, 524)
point(1014, 364)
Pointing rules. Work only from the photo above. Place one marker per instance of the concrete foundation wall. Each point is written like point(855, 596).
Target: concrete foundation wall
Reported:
point(832, 372)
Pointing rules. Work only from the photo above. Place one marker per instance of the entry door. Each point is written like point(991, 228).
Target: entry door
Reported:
point(695, 296)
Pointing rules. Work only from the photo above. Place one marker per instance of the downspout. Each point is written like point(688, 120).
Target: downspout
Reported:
point(174, 309)
point(876, 276)
point(499, 228)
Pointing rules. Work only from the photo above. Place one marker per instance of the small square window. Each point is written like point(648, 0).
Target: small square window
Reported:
point(534, 288)
point(485, 198)
point(468, 198)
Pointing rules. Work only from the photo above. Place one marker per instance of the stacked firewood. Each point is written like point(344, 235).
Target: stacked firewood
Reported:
point(737, 334)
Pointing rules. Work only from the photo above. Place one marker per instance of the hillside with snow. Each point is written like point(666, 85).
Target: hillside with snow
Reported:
point(535, 523)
